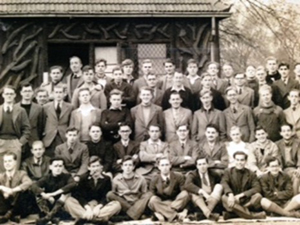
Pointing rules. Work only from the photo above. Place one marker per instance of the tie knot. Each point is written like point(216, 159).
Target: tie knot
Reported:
point(71, 150)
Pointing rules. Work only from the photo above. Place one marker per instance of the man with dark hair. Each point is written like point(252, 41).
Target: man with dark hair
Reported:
point(41, 96)
point(74, 80)
point(166, 81)
point(152, 80)
point(192, 76)
point(74, 154)
point(241, 190)
point(245, 94)
point(128, 66)
point(141, 81)
point(130, 190)
point(100, 68)
point(14, 126)
point(227, 71)
point(204, 188)
point(13, 184)
point(217, 83)
point(292, 114)
point(277, 191)
point(112, 117)
point(169, 197)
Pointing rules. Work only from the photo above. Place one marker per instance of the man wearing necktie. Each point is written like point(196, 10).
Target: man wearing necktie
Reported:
point(74, 80)
point(292, 114)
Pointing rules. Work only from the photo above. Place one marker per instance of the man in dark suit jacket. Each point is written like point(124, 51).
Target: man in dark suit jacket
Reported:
point(204, 188)
point(272, 72)
point(241, 190)
point(169, 198)
point(277, 191)
point(74, 80)
point(14, 126)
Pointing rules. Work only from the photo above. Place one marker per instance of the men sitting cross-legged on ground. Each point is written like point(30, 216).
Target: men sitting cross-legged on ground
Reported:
point(91, 194)
point(130, 190)
point(204, 187)
point(277, 191)
point(169, 198)
point(241, 190)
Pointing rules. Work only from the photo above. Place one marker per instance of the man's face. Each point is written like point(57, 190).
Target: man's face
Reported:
point(232, 96)
point(182, 133)
point(154, 133)
point(192, 69)
point(265, 96)
point(95, 133)
point(56, 75)
point(146, 96)
point(8, 95)
point(294, 97)
point(227, 71)
point(239, 80)
point(164, 167)
point(271, 66)
point(250, 72)
point(95, 168)
point(100, 68)
point(175, 101)
point(297, 71)
point(27, 93)
point(38, 150)
point(146, 68)
point(286, 132)
point(57, 167)
point(178, 79)
point(206, 99)
point(128, 167)
point(128, 69)
point(169, 68)
point(274, 167)
point(240, 161)
point(235, 135)
point(72, 137)
point(206, 82)
point(261, 75)
point(202, 166)
point(75, 65)
point(88, 76)
point(118, 75)
point(9, 162)
point(58, 93)
point(211, 134)
point(151, 81)
point(84, 96)
point(284, 71)
point(125, 132)
point(42, 97)
point(213, 69)
point(115, 101)
point(261, 136)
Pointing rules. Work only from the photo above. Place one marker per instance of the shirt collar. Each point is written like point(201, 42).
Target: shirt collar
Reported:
point(178, 89)
point(125, 143)
point(152, 142)
point(36, 162)
point(165, 177)
point(210, 109)
point(89, 108)
point(10, 174)
point(5, 105)
point(113, 108)
point(194, 78)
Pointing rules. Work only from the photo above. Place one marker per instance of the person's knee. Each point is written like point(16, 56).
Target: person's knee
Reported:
point(265, 203)
point(296, 198)
point(110, 196)
point(184, 194)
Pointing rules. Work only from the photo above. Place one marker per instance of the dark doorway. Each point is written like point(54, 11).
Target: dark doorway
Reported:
point(59, 54)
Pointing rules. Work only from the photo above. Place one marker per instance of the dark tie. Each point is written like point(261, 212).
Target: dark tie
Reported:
point(71, 151)
point(58, 110)
point(205, 182)
point(182, 146)
point(167, 181)
point(234, 110)
point(9, 181)
point(294, 108)
point(8, 109)
point(240, 91)
point(262, 151)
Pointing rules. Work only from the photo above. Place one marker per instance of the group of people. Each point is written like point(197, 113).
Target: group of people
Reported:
point(176, 147)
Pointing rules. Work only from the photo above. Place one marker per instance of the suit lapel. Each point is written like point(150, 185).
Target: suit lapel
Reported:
point(16, 111)
point(152, 113)
point(129, 147)
point(120, 149)
point(240, 111)
point(64, 109)
point(139, 114)
point(52, 110)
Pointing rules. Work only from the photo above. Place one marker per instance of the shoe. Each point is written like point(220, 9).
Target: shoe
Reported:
point(228, 215)
point(15, 219)
point(214, 216)
point(43, 221)
point(259, 215)
point(160, 217)
point(80, 222)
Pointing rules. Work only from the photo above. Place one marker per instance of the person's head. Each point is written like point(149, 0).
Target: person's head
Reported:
point(175, 100)
point(164, 165)
point(202, 164)
point(284, 69)
point(265, 94)
point(27, 92)
point(154, 132)
point(117, 74)
point(128, 165)
point(72, 135)
point(297, 70)
point(146, 67)
point(37, 149)
point(182, 132)
point(41, 96)
point(211, 132)
point(273, 164)
point(271, 64)
point(10, 161)
point(178, 78)
point(192, 67)
point(58, 92)
point(100, 66)
point(232, 94)
point(9, 94)
point(213, 68)
point(84, 95)
point(124, 131)
point(261, 134)
point(75, 64)
point(115, 98)
point(169, 66)
point(261, 74)
point(95, 132)
point(127, 66)
point(239, 79)
point(88, 74)
point(294, 96)
point(240, 159)
point(146, 95)
point(206, 97)
point(152, 80)
point(250, 72)
point(206, 80)
point(227, 70)
point(286, 131)
point(56, 73)
point(95, 166)
point(235, 134)
point(57, 166)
